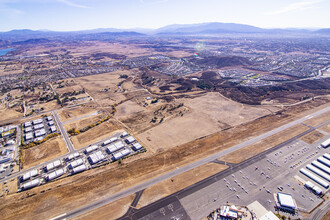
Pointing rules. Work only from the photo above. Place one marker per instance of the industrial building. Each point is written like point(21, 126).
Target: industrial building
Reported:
point(30, 184)
point(318, 172)
point(136, 146)
point(73, 156)
point(124, 134)
point(109, 141)
point(311, 186)
point(314, 177)
point(324, 161)
point(55, 174)
point(27, 129)
point(321, 166)
point(38, 126)
point(96, 157)
point(130, 140)
point(28, 136)
point(91, 148)
point(49, 118)
point(115, 147)
point(37, 121)
point(325, 143)
point(50, 123)
point(53, 165)
point(327, 156)
point(78, 169)
point(40, 132)
point(76, 163)
point(27, 124)
point(53, 128)
point(121, 154)
point(30, 174)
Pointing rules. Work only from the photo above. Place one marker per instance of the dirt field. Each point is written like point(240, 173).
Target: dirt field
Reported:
point(44, 152)
point(318, 120)
point(179, 182)
point(95, 134)
point(325, 128)
point(127, 109)
point(66, 114)
point(113, 210)
point(208, 114)
point(56, 198)
point(312, 137)
point(84, 122)
point(8, 188)
point(265, 144)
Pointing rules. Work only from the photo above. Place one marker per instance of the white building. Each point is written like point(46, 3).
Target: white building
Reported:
point(37, 121)
point(53, 165)
point(137, 146)
point(40, 132)
point(130, 140)
point(28, 136)
point(96, 157)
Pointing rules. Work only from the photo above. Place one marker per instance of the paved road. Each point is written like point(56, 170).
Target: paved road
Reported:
point(82, 117)
point(186, 168)
point(65, 135)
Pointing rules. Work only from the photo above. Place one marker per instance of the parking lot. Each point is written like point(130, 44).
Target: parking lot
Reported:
point(261, 180)
point(86, 158)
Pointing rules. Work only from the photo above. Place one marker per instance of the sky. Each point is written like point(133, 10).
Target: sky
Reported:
point(70, 15)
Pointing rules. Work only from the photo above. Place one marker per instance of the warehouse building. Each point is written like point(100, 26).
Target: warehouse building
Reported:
point(121, 154)
point(325, 143)
point(28, 136)
point(324, 161)
point(124, 134)
point(318, 172)
point(73, 156)
point(314, 188)
point(314, 177)
point(38, 126)
point(49, 118)
point(79, 169)
point(28, 175)
point(96, 157)
point(53, 129)
point(76, 163)
point(30, 184)
point(27, 124)
point(109, 141)
point(115, 147)
point(53, 165)
point(136, 146)
point(40, 132)
point(37, 121)
point(55, 174)
point(321, 166)
point(130, 140)
point(91, 148)
point(27, 129)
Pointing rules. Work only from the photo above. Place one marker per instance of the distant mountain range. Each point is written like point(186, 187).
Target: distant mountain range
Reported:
point(212, 28)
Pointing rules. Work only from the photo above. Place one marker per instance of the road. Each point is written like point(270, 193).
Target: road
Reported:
point(65, 135)
point(81, 117)
point(186, 168)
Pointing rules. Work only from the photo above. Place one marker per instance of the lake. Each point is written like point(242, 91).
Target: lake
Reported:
point(5, 51)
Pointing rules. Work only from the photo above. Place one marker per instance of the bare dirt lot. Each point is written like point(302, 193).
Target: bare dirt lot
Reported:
point(260, 146)
point(46, 151)
point(312, 137)
point(57, 197)
point(207, 114)
point(326, 128)
point(318, 120)
point(95, 134)
point(113, 210)
point(179, 182)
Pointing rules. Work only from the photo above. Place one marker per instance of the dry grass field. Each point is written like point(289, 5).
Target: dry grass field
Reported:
point(318, 120)
point(325, 128)
point(67, 114)
point(178, 182)
point(312, 137)
point(207, 114)
point(69, 193)
point(95, 134)
point(44, 152)
point(113, 210)
point(85, 121)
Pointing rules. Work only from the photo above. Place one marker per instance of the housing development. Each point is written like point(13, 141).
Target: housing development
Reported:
point(172, 124)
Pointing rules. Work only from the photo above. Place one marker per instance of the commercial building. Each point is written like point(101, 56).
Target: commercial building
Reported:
point(285, 201)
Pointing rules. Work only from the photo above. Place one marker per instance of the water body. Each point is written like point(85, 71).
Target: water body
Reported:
point(5, 51)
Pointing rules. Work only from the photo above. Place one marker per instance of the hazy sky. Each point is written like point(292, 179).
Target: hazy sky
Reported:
point(67, 15)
